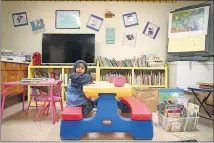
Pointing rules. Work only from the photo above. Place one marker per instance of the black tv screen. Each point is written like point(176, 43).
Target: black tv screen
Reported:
point(68, 48)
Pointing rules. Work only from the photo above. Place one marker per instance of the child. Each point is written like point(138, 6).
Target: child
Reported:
point(75, 94)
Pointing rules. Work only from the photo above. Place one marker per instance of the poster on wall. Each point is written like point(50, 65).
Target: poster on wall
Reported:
point(129, 39)
point(151, 30)
point(110, 36)
point(37, 26)
point(130, 19)
point(190, 22)
point(94, 22)
point(67, 19)
point(20, 19)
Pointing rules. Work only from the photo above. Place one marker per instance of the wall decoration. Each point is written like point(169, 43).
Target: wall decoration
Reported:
point(94, 22)
point(129, 39)
point(67, 19)
point(190, 22)
point(37, 25)
point(151, 30)
point(109, 14)
point(110, 36)
point(20, 19)
point(130, 19)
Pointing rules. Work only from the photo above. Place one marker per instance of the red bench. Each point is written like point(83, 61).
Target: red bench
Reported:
point(72, 113)
point(139, 110)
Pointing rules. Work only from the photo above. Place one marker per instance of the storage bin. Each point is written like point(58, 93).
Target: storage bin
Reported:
point(184, 124)
point(119, 81)
point(155, 63)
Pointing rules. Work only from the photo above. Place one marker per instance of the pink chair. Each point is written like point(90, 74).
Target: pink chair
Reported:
point(33, 96)
point(46, 100)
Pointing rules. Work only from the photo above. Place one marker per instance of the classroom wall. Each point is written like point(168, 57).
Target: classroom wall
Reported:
point(22, 39)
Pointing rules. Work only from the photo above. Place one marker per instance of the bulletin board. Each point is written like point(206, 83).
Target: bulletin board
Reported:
point(187, 44)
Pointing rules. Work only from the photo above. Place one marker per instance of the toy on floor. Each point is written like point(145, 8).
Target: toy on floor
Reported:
point(107, 119)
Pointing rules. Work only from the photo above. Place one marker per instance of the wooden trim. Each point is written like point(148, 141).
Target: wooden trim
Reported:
point(150, 1)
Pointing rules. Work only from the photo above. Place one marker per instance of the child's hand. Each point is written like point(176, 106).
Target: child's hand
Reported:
point(93, 75)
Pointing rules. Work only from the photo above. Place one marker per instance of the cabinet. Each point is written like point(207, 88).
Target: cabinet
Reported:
point(13, 72)
point(3, 78)
point(185, 73)
point(13, 76)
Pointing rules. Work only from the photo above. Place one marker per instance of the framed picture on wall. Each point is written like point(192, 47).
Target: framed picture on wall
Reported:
point(20, 19)
point(67, 19)
point(94, 22)
point(130, 19)
point(151, 30)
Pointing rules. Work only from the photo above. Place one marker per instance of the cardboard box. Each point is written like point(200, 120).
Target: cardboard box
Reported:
point(201, 96)
point(148, 96)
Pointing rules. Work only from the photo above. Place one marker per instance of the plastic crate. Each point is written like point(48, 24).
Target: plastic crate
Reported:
point(170, 124)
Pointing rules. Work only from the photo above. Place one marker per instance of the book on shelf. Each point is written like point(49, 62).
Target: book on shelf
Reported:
point(142, 61)
point(31, 79)
point(149, 78)
point(66, 78)
point(40, 73)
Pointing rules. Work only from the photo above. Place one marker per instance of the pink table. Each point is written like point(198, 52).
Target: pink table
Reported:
point(50, 83)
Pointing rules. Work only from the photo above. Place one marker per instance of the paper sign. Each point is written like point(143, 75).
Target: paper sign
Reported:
point(187, 44)
point(110, 36)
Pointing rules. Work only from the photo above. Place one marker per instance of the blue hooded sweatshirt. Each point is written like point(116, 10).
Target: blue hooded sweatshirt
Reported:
point(75, 95)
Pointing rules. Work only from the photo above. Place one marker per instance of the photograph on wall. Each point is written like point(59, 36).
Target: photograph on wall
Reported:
point(67, 19)
point(37, 26)
point(130, 19)
point(129, 39)
point(189, 22)
point(94, 22)
point(20, 19)
point(151, 30)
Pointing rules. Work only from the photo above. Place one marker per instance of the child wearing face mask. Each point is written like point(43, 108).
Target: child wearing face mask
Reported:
point(75, 95)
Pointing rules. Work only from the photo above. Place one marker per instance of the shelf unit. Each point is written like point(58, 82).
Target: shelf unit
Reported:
point(132, 70)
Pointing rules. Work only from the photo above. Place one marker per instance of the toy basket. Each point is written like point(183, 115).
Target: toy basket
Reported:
point(184, 124)
point(119, 81)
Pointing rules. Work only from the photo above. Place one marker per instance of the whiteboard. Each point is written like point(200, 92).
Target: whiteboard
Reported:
point(67, 19)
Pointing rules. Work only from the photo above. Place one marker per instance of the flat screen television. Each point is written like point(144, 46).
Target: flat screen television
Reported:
point(68, 48)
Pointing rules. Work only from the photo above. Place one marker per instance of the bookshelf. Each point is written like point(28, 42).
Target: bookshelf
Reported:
point(145, 77)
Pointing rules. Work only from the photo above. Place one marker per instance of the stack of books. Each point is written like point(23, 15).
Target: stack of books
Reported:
point(31, 79)
point(206, 84)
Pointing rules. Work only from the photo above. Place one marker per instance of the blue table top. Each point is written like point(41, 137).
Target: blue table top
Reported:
point(195, 88)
